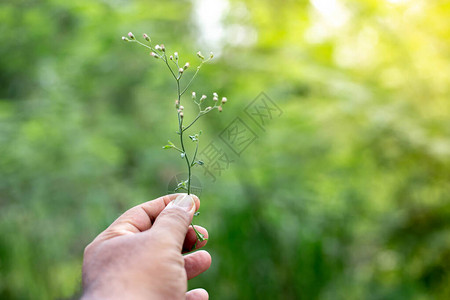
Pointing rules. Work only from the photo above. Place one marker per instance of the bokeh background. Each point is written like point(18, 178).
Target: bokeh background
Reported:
point(344, 196)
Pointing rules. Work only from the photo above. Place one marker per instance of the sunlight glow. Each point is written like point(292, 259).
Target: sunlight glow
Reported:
point(332, 11)
point(397, 1)
point(209, 15)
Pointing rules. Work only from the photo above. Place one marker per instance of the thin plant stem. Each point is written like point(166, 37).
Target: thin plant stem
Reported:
point(192, 123)
point(192, 78)
point(161, 54)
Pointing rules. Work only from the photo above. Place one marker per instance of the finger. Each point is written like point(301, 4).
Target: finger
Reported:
point(191, 241)
point(197, 294)
point(196, 263)
point(141, 217)
point(171, 225)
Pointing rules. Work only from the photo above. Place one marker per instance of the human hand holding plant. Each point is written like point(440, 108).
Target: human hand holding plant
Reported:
point(140, 255)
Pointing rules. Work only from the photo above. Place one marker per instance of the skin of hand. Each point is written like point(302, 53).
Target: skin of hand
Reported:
point(140, 255)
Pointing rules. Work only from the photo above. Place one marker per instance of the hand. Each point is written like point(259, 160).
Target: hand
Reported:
point(139, 256)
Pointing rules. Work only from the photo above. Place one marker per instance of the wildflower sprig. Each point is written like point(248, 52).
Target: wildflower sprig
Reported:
point(177, 70)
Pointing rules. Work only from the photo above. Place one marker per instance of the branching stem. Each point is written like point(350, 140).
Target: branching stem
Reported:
point(160, 53)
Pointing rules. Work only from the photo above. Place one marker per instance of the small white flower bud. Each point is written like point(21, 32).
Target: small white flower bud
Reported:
point(177, 103)
point(154, 54)
point(163, 48)
point(181, 70)
point(171, 57)
point(215, 95)
point(219, 108)
point(199, 54)
point(146, 37)
point(186, 66)
point(181, 115)
point(202, 98)
point(125, 39)
point(224, 100)
point(208, 108)
point(215, 98)
point(130, 35)
point(175, 55)
point(194, 95)
point(158, 47)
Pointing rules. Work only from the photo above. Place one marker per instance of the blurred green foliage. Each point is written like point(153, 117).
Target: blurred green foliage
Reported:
point(345, 196)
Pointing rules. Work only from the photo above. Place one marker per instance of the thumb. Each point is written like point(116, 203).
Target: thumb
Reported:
point(172, 223)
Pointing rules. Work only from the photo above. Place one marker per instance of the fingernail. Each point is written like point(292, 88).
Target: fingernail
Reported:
point(184, 201)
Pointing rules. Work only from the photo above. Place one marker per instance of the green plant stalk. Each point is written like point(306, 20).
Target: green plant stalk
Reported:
point(200, 236)
point(181, 131)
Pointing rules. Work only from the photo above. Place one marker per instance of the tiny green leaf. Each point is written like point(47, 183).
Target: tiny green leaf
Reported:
point(182, 185)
